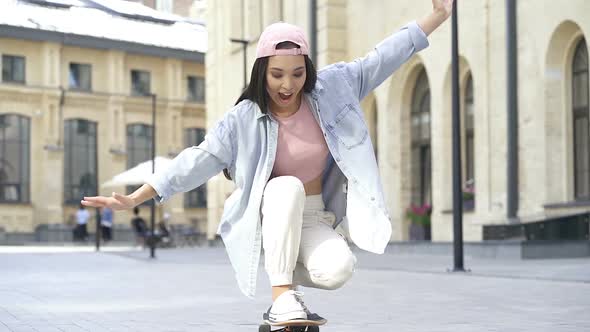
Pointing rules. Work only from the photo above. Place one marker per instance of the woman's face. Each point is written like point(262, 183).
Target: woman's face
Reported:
point(285, 77)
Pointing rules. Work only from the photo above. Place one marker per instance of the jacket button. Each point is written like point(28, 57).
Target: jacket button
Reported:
point(372, 198)
point(337, 160)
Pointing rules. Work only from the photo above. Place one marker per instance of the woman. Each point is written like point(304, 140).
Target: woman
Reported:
point(297, 148)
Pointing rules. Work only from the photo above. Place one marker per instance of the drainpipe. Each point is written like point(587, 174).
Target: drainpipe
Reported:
point(512, 116)
point(313, 31)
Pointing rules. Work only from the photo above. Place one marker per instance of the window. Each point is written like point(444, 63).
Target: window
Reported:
point(581, 108)
point(140, 83)
point(13, 69)
point(80, 160)
point(80, 76)
point(15, 148)
point(196, 89)
point(198, 196)
point(139, 147)
point(469, 131)
point(420, 133)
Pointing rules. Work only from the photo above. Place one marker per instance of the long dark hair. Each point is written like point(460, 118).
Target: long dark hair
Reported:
point(256, 89)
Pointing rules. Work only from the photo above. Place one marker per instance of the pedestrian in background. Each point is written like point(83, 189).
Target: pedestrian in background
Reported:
point(139, 227)
point(297, 148)
point(106, 223)
point(82, 217)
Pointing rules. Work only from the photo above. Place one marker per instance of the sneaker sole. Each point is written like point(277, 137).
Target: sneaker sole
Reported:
point(297, 322)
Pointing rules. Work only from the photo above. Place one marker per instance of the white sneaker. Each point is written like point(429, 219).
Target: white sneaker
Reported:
point(288, 306)
point(311, 316)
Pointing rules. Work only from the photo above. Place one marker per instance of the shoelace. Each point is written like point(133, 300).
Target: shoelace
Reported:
point(298, 296)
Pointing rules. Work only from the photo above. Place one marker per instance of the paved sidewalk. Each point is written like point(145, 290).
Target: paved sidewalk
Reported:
point(194, 290)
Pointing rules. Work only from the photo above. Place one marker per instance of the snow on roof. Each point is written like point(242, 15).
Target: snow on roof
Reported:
point(109, 19)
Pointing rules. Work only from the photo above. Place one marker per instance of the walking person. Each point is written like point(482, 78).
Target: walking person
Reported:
point(139, 228)
point(297, 148)
point(106, 223)
point(81, 230)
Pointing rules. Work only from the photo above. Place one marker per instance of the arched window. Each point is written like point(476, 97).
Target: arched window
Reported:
point(420, 131)
point(15, 150)
point(139, 147)
point(469, 133)
point(198, 196)
point(580, 102)
point(80, 160)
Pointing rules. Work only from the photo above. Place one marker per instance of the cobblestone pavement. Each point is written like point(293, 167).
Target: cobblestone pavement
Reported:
point(194, 290)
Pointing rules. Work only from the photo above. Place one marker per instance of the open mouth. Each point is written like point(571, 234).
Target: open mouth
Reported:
point(285, 98)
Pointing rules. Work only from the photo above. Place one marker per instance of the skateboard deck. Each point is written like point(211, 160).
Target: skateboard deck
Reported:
point(290, 327)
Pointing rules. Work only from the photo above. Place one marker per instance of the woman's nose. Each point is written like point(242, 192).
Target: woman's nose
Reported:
point(287, 84)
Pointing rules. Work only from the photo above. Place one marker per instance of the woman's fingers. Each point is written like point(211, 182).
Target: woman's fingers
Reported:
point(96, 201)
point(116, 202)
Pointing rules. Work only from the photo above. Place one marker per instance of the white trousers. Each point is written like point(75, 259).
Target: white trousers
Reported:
point(300, 245)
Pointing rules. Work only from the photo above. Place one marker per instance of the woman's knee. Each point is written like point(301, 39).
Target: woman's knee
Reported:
point(335, 273)
point(284, 187)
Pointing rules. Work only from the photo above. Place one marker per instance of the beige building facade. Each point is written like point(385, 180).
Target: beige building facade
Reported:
point(76, 112)
point(409, 115)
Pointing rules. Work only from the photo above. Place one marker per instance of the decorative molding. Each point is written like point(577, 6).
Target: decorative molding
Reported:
point(53, 147)
point(117, 151)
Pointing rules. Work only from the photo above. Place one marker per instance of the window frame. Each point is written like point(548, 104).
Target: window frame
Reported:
point(136, 76)
point(9, 78)
point(580, 112)
point(23, 186)
point(131, 150)
point(469, 131)
point(196, 198)
point(90, 146)
point(198, 95)
point(78, 79)
point(421, 146)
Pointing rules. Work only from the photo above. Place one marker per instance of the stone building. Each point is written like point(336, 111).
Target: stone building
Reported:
point(409, 115)
point(75, 106)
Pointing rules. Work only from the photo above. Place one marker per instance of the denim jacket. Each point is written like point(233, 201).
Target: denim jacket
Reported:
point(245, 142)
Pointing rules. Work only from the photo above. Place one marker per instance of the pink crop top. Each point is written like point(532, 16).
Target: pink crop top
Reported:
point(301, 148)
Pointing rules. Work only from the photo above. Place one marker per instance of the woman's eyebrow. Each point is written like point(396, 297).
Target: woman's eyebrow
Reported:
point(280, 69)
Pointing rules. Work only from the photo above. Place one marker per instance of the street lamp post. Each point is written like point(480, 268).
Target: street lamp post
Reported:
point(152, 237)
point(457, 188)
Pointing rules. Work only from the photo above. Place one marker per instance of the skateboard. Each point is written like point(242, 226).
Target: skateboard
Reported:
point(310, 325)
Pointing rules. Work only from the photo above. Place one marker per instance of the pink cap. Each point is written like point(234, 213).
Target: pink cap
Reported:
point(281, 32)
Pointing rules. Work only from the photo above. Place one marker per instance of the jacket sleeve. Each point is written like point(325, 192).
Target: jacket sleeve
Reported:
point(195, 165)
point(367, 73)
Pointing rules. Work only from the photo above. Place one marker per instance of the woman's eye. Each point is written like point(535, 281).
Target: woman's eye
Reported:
point(277, 76)
point(298, 75)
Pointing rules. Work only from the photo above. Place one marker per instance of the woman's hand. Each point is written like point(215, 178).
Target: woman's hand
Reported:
point(443, 7)
point(115, 202)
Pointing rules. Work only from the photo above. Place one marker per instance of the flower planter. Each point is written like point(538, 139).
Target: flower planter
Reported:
point(420, 232)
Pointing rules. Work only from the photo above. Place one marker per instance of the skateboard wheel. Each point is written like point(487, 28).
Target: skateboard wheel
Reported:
point(313, 329)
point(264, 328)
